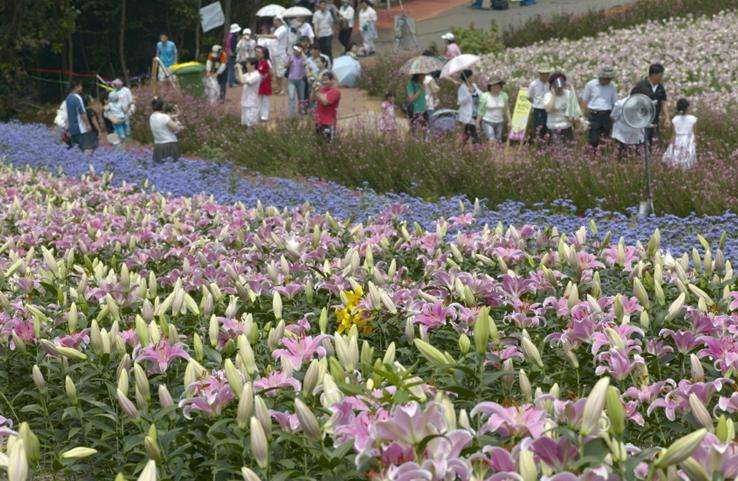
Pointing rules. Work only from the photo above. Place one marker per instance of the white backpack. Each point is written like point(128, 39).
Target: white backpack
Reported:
point(61, 116)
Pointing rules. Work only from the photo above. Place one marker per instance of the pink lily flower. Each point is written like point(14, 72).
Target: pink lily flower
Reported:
point(161, 354)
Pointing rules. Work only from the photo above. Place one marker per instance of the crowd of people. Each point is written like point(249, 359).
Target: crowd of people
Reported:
point(296, 56)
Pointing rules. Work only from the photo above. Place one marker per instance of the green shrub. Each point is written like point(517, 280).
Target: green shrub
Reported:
point(479, 41)
point(590, 24)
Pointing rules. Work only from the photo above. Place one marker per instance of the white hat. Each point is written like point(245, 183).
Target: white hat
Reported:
point(448, 36)
point(279, 17)
point(216, 48)
point(235, 28)
point(247, 31)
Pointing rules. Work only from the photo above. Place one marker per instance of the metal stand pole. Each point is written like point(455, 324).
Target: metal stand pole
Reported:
point(646, 206)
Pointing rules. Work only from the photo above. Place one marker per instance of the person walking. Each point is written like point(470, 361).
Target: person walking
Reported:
point(598, 100)
point(265, 87)
point(323, 23)
point(164, 128)
point(452, 48)
point(251, 81)
point(682, 151)
point(431, 88)
point(166, 51)
point(346, 24)
point(562, 109)
point(537, 91)
point(296, 67)
point(78, 125)
point(416, 108)
point(652, 87)
point(230, 52)
point(327, 97)
point(465, 114)
point(281, 53)
point(368, 26)
point(494, 110)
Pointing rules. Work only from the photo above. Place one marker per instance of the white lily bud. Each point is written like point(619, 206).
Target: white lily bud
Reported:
point(680, 449)
point(593, 406)
point(259, 444)
point(308, 421)
point(526, 390)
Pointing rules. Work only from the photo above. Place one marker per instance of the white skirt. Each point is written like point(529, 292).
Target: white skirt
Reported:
point(249, 116)
point(682, 151)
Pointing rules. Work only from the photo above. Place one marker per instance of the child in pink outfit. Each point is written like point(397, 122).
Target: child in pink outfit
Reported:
point(388, 121)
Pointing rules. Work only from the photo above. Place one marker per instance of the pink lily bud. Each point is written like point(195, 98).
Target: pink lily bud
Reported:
point(38, 378)
point(127, 406)
point(165, 399)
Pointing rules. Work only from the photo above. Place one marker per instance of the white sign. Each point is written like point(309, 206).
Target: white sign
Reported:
point(211, 16)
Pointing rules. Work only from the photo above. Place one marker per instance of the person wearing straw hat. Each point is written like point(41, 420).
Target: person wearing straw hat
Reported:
point(598, 99)
point(537, 90)
point(246, 47)
point(452, 48)
point(494, 110)
point(230, 52)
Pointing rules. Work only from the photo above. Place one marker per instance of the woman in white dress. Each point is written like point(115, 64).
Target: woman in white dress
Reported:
point(368, 26)
point(250, 93)
point(682, 151)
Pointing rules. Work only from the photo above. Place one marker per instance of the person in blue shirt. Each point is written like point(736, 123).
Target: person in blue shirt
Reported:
point(166, 50)
point(78, 124)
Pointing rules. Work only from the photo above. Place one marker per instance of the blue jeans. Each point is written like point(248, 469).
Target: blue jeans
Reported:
point(231, 71)
point(477, 4)
point(296, 94)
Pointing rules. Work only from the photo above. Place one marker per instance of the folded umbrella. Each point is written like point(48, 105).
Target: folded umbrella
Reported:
point(270, 11)
point(459, 64)
point(422, 65)
point(347, 71)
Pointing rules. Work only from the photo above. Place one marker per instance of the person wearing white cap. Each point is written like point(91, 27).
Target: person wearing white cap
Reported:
point(537, 91)
point(230, 52)
point(452, 48)
point(216, 75)
point(279, 52)
point(246, 47)
point(598, 99)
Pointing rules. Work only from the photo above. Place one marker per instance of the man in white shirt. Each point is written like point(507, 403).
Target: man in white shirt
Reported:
point(323, 25)
point(598, 99)
point(537, 90)
point(346, 20)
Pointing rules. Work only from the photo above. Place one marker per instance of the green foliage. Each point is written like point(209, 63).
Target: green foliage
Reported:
point(579, 26)
point(479, 41)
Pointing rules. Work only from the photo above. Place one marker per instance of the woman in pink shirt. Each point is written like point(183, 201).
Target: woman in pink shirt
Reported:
point(452, 49)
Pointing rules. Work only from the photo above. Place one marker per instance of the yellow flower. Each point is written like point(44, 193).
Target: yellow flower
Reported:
point(351, 314)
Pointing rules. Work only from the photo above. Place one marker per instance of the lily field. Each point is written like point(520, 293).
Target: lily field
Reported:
point(196, 320)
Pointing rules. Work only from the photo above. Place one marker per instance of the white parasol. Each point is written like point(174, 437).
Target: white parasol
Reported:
point(297, 11)
point(459, 64)
point(270, 11)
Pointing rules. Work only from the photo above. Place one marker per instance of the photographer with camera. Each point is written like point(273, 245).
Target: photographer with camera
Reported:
point(164, 128)
point(327, 96)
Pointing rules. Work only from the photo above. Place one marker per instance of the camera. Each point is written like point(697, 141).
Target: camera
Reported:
point(559, 83)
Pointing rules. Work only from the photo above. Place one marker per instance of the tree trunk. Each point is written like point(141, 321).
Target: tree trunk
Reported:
point(122, 40)
point(197, 31)
point(227, 21)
